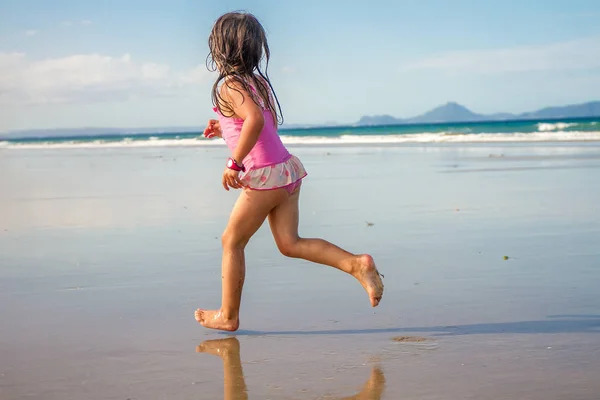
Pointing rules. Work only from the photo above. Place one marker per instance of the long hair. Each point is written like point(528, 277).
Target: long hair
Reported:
point(238, 45)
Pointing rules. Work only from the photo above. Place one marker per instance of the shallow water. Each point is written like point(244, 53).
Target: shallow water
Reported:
point(106, 253)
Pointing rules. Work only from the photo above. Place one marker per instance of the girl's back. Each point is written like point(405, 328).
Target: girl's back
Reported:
point(269, 148)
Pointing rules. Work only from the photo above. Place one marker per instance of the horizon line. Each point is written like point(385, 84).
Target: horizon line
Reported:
point(401, 121)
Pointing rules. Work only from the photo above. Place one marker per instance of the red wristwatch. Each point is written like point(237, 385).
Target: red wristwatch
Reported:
point(232, 164)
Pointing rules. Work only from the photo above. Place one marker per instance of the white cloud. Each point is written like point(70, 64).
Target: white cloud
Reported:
point(86, 22)
point(573, 55)
point(31, 32)
point(194, 76)
point(88, 78)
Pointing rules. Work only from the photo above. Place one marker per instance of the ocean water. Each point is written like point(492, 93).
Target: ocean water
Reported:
point(587, 129)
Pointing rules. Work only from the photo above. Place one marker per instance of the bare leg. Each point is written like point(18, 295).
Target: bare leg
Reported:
point(234, 385)
point(284, 219)
point(248, 214)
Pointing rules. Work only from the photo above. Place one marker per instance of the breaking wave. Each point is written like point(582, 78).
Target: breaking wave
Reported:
point(548, 135)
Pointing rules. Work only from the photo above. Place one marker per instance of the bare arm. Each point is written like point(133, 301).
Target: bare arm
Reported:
point(253, 117)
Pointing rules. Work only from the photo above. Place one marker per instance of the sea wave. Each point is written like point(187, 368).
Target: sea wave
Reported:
point(546, 127)
point(126, 142)
point(450, 137)
point(443, 137)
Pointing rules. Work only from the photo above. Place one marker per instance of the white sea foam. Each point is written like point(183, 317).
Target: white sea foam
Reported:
point(546, 127)
point(559, 136)
point(447, 137)
point(126, 142)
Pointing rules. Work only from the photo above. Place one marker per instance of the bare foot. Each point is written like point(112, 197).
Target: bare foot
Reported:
point(220, 347)
point(214, 319)
point(368, 276)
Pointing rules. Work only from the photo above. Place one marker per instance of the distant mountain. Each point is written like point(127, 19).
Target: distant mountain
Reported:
point(591, 109)
point(449, 112)
point(454, 112)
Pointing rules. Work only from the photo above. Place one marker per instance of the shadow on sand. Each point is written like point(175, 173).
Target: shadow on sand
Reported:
point(554, 324)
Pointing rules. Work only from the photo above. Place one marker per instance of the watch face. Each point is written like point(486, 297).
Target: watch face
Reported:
point(229, 163)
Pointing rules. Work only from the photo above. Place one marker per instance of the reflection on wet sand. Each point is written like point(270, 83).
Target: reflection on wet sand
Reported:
point(233, 375)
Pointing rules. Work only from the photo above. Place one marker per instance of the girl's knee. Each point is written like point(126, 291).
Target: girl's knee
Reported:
point(288, 247)
point(231, 240)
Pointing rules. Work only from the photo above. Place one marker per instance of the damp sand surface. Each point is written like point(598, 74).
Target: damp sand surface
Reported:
point(490, 256)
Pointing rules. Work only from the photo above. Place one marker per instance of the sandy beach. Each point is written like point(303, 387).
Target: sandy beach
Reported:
point(490, 252)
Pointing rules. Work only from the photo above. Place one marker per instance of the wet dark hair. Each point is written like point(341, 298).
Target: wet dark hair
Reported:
point(238, 45)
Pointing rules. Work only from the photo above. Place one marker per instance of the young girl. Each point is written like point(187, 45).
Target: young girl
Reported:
point(269, 176)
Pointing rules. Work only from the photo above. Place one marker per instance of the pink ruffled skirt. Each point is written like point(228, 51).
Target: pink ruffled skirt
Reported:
point(287, 174)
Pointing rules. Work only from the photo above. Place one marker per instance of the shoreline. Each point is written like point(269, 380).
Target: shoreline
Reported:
point(314, 143)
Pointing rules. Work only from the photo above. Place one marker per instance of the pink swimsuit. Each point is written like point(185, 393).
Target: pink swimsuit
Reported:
point(269, 165)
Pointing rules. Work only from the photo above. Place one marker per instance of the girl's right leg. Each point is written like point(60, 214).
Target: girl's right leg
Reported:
point(284, 219)
point(248, 214)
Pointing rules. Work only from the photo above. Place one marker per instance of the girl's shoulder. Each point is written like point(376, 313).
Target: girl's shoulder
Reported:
point(247, 85)
point(236, 82)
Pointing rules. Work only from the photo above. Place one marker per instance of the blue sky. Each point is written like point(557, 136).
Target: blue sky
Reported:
point(73, 63)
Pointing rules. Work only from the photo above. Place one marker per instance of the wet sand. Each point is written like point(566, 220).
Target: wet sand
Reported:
point(106, 253)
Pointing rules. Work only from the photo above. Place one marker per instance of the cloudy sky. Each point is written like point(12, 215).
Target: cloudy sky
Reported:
point(134, 63)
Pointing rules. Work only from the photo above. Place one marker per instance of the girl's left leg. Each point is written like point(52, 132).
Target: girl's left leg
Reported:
point(284, 221)
point(248, 214)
